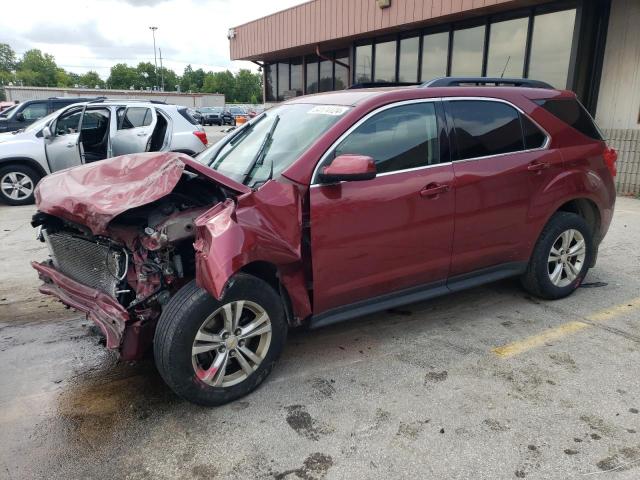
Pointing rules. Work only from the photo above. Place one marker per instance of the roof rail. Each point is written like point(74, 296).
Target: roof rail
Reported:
point(478, 81)
point(106, 99)
point(381, 85)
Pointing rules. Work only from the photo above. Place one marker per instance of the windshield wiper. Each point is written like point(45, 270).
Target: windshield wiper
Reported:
point(239, 135)
point(258, 160)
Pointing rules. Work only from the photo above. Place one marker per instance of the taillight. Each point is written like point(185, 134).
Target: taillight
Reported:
point(610, 157)
point(201, 135)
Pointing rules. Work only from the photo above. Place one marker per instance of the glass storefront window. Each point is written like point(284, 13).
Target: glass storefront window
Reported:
point(283, 80)
point(312, 75)
point(326, 76)
point(385, 67)
point(507, 43)
point(408, 67)
point(342, 73)
point(435, 49)
point(468, 45)
point(271, 72)
point(296, 75)
point(551, 47)
point(363, 63)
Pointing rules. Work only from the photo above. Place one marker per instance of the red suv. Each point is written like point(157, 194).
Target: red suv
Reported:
point(323, 209)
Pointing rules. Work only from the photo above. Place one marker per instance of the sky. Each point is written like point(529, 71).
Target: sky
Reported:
point(96, 34)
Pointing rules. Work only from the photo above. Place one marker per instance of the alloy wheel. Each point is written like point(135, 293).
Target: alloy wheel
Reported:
point(231, 343)
point(16, 185)
point(566, 258)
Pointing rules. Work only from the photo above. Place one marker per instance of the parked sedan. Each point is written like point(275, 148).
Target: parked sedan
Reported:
point(87, 132)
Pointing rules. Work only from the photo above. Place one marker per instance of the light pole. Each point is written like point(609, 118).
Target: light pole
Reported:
point(155, 57)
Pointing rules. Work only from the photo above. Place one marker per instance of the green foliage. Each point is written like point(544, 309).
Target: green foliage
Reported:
point(39, 69)
point(7, 58)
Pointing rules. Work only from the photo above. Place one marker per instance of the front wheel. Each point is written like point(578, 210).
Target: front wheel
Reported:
point(17, 184)
point(210, 351)
point(561, 257)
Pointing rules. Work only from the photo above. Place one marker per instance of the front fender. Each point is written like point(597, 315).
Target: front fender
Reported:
point(264, 225)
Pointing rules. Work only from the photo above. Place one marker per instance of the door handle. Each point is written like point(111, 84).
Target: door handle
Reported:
point(141, 134)
point(71, 145)
point(537, 166)
point(434, 189)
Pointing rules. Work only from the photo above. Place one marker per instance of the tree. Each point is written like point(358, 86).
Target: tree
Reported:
point(123, 77)
point(192, 80)
point(170, 78)
point(147, 75)
point(91, 79)
point(37, 69)
point(248, 86)
point(7, 58)
point(220, 82)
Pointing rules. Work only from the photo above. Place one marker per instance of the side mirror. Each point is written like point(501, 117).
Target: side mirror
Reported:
point(20, 117)
point(347, 168)
point(46, 132)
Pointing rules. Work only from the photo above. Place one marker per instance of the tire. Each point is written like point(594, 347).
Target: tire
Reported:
point(541, 278)
point(12, 175)
point(192, 310)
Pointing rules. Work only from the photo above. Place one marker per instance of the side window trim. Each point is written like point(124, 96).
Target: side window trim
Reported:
point(449, 118)
point(338, 141)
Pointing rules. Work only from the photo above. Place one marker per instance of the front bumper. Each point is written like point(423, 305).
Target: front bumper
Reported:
point(103, 310)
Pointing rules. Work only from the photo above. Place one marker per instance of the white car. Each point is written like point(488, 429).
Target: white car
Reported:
point(88, 132)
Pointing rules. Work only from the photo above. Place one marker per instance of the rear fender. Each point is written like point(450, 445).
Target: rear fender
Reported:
point(263, 225)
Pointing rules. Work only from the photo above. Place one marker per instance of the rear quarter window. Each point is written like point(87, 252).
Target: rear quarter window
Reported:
point(571, 112)
point(187, 116)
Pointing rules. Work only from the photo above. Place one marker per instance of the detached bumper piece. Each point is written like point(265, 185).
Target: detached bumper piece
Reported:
point(103, 310)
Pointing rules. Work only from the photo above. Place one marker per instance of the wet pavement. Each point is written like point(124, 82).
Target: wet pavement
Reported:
point(418, 392)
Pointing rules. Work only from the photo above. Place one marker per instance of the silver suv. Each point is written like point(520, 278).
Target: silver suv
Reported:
point(88, 132)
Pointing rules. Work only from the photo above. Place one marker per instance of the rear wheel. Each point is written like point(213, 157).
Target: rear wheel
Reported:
point(561, 257)
point(17, 184)
point(214, 351)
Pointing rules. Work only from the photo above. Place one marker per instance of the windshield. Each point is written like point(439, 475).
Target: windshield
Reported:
point(272, 141)
point(236, 110)
point(39, 124)
point(211, 109)
point(7, 111)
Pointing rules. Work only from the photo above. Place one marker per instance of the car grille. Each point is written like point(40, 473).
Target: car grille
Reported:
point(88, 262)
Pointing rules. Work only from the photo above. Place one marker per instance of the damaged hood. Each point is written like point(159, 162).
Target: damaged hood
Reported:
point(95, 193)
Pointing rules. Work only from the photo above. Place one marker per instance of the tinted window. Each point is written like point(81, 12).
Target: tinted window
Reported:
point(466, 57)
point(34, 111)
point(573, 113)
point(68, 123)
point(342, 73)
point(397, 138)
point(434, 55)
point(507, 42)
point(551, 47)
point(296, 75)
point(533, 136)
point(385, 70)
point(134, 117)
point(283, 80)
point(186, 114)
point(485, 128)
point(312, 75)
point(408, 64)
point(95, 119)
point(270, 87)
point(326, 76)
point(363, 63)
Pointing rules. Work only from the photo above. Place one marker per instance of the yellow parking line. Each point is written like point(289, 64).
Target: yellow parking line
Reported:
point(534, 341)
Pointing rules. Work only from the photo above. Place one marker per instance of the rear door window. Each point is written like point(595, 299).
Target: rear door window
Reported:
point(484, 128)
point(397, 138)
point(134, 117)
point(571, 112)
point(533, 136)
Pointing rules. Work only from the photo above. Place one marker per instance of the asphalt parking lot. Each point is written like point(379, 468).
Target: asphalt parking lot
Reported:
point(485, 384)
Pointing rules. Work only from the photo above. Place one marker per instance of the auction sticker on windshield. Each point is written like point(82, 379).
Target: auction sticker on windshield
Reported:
point(328, 110)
